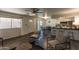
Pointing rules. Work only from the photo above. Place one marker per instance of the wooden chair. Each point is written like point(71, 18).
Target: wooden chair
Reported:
point(58, 40)
point(66, 43)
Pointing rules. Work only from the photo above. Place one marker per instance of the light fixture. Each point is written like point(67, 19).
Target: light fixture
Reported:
point(32, 14)
point(30, 20)
point(45, 15)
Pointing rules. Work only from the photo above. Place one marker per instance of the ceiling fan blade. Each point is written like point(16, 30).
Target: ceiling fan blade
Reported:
point(39, 12)
point(28, 10)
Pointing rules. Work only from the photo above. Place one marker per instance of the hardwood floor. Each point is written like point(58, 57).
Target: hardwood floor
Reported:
point(20, 43)
point(24, 43)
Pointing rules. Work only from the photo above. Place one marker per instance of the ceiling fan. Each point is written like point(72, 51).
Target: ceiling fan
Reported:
point(34, 11)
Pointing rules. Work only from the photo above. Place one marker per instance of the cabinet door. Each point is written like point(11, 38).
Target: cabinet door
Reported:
point(76, 34)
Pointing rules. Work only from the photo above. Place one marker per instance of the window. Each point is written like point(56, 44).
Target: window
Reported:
point(6, 23)
point(16, 23)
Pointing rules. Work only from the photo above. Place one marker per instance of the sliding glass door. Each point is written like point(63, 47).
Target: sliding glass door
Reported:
point(10, 27)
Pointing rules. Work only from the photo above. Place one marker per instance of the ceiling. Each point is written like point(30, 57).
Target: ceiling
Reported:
point(50, 11)
point(14, 10)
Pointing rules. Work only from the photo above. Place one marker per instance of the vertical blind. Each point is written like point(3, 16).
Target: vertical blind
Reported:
point(6, 23)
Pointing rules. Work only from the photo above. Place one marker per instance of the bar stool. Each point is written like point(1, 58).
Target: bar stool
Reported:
point(71, 37)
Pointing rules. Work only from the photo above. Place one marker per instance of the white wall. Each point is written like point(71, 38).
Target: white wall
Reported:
point(27, 26)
